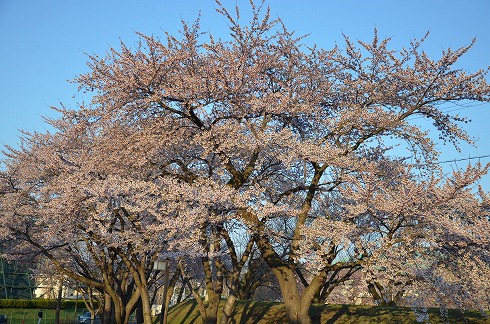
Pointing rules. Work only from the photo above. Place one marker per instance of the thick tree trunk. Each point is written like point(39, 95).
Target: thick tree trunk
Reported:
point(297, 305)
point(117, 309)
point(106, 315)
point(231, 300)
point(145, 301)
point(118, 313)
point(286, 278)
point(212, 308)
point(290, 294)
point(228, 308)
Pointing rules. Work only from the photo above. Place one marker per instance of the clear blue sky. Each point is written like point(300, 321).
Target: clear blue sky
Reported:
point(42, 43)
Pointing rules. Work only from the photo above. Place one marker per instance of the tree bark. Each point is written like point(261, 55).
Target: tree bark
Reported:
point(297, 305)
point(107, 314)
point(58, 302)
point(228, 308)
point(172, 283)
point(212, 308)
point(290, 294)
point(145, 300)
point(287, 282)
point(200, 304)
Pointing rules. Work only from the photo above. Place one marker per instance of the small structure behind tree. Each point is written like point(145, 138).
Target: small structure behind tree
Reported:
point(16, 281)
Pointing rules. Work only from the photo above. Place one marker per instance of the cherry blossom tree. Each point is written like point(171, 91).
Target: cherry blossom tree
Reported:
point(408, 232)
point(68, 197)
point(187, 136)
point(59, 226)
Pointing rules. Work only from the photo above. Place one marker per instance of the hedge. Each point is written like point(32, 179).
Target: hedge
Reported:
point(38, 303)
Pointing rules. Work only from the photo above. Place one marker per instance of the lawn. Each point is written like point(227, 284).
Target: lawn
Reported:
point(29, 316)
point(248, 312)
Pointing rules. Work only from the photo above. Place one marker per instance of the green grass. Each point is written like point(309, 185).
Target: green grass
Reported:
point(248, 312)
point(29, 316)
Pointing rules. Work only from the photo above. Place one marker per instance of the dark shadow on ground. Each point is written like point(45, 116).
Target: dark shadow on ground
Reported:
point(344, 309)
point(252, 312)
point(175, 312)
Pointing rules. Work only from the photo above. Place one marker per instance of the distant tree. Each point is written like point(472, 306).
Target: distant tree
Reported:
point(184, 136)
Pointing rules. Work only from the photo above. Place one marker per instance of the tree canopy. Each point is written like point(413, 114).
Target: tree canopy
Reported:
point(310, 152)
